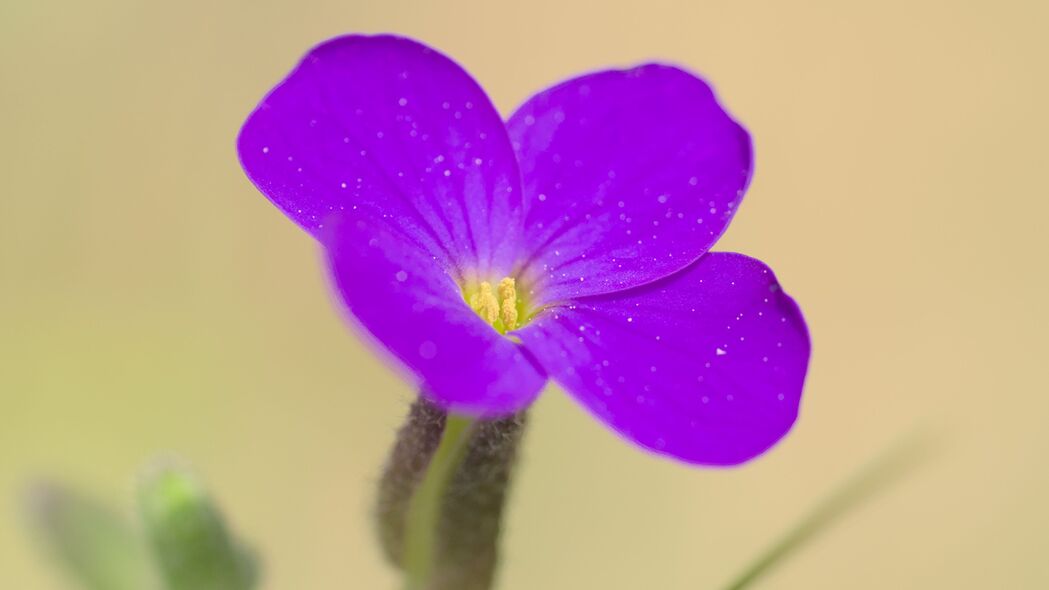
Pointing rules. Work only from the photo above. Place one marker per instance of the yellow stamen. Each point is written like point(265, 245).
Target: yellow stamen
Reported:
point(498, 307)
point(485, 303)
point(508, 306)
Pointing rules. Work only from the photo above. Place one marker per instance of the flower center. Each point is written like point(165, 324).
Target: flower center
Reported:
point(499, 306)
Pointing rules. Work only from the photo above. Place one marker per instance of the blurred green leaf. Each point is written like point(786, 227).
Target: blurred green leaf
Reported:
point(190, 541)
point(93, 543)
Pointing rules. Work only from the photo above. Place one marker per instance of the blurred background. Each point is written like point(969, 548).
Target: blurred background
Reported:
point(151, 300)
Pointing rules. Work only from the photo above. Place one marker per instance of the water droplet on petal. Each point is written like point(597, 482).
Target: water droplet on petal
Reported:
point(428, 350)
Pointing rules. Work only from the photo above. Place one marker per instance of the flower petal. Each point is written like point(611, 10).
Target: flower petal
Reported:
point(391, 126)
point(705, 366)
point(629, 176)
point(412, 306)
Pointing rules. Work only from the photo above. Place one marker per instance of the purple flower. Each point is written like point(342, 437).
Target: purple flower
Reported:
point(569, 243)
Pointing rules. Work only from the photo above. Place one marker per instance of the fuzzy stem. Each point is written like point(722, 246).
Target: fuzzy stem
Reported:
point(424, 512)
point(447, 538)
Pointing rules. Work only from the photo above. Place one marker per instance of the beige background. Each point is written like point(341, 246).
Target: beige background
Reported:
point(151, 300)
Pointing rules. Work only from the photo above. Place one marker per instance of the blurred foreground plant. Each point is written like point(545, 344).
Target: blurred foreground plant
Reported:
point(461, 507)
point(181, 543)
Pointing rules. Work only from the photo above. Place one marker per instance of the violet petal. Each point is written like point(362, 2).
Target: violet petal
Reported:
point(388, 125)
point(629, 176)
point(705, 366)
point(412, 306)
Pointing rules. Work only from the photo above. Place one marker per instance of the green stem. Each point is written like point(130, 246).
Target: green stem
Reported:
point(887, 469)
point(424, 512)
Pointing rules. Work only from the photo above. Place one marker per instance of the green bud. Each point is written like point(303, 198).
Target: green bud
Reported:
point(190, 541)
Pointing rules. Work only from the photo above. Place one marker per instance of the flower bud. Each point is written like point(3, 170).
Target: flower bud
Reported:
point(192, 546)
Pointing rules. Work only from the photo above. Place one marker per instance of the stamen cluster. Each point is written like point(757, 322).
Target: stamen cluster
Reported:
point(497, 308)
